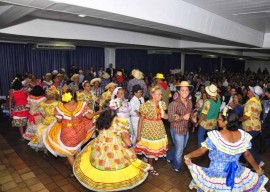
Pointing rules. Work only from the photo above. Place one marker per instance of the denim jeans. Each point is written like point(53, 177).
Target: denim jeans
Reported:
point(201, 133)
point(252, 151)
point(175, 154)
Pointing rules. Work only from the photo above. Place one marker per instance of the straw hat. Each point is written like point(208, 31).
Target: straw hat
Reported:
point(74, 76)
point(110, 85)
point(137, 74)
point(54, 72)
point(106, 75)
point(185, 84)
point(159, 76)
point(211, 90)
point(257, 91)
point(48, 74)
point(119, 73)
point(94, 80)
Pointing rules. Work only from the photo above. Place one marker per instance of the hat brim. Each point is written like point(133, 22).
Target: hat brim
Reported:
point(191, 87)
point(213, 94)
point(110, 85)
point(94, 80)
point(252, 90)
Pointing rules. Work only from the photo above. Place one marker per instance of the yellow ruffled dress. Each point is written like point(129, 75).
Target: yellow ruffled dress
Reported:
point(106, 164)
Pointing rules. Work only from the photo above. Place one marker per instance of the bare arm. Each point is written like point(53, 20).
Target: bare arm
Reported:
point(128, 143)
point(248, 156)
point(10, 102)
point(139, 128)
point(244, 118)
point(197, 153)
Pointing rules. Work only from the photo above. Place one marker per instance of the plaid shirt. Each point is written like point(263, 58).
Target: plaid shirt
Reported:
point(177, 107)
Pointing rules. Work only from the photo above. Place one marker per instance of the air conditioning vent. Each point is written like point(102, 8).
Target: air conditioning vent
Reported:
point(54, 47)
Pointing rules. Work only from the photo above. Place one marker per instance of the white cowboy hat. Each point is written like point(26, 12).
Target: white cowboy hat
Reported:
point(110, 85)
point(185, 84)
point(211, 90)
point(106, 75)
point(73, 76)
point(257, 90)
point(94, 80)
point(137, 74)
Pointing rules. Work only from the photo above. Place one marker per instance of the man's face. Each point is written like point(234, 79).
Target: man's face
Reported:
point(184, 92)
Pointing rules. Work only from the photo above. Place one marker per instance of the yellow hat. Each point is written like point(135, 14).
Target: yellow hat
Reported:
point(159, 76)
point(110, 85)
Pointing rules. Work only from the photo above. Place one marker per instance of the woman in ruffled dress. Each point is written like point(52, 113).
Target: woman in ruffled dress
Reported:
point(21, 112)
point(225, 147)
point(71, 130)
point(86, 95)
point(152, 139)
point(109, 162)
point(34, 99)
point(46, 108)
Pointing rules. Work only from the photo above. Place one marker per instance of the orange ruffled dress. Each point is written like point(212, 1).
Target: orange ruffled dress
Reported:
point(66, 138)
point(106, 164)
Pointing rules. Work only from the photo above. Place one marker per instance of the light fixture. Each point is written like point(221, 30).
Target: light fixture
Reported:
point(81, 15)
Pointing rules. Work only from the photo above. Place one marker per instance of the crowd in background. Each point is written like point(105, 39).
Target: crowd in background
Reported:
point(185, 101)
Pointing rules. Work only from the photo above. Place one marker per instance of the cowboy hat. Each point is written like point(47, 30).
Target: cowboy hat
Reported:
point(119, 73)
point(159, 76)
point(110, 85)
point(257, 91)
point(105, 75)
point(94, 80)
point(211, 90)
point(137, 74)
point(184, 84)
point(74, 76)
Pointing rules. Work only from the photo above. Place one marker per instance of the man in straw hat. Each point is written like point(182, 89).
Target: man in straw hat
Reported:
point(208, 113)
point(137, 80)
point(105, 80)
point(166, 93)
point(96, 89)
point(251, 118)
point(179, 115)
point(107, 95)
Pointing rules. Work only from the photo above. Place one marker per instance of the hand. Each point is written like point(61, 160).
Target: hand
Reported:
point(259, 171)
point(138, 138)
point(165, 116)
point(188, 162)
point(186, 116)
point(176, 117)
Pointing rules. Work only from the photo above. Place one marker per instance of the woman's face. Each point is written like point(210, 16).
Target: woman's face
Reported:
point(111, 89)
point(120, 94)
point(76, 79)
point(87, 87)
point(204, 96)
point(221, 122)
point(157, 95)
point(250, 94)
point(235, 99)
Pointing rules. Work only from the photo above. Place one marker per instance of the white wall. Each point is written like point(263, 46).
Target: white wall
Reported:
point(254, 65)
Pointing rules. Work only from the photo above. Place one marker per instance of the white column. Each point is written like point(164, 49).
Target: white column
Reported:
point(183, 63)
point(109, 54)
point(221, 64)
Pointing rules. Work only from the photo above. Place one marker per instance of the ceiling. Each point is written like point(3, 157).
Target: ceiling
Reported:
point(252, 14)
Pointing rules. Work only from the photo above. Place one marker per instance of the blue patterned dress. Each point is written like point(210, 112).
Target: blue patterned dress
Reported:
point(222, 154)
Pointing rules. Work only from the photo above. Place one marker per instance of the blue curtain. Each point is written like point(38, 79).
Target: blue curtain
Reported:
point(233, 65)
point(194, 63)
point(129, 59)
point(18, 58)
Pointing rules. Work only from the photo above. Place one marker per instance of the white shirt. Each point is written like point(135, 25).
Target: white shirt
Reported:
point(135, 105)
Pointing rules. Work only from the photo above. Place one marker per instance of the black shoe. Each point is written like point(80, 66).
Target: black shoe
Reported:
point(180, 171)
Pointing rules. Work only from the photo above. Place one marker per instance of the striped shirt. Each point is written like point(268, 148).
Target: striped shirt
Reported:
point(177, 107)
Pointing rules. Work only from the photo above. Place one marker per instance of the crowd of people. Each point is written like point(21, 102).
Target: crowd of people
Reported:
point(121, 121)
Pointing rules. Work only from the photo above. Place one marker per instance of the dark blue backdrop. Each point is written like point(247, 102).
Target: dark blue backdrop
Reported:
point(148, 63)
point(19, 58)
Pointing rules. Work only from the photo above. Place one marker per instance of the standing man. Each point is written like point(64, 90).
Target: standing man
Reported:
point(179, 115)
point(166, 93)
point(209, 113)
point(110, 70)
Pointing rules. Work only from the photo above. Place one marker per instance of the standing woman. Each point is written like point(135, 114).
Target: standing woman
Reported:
point(20, 112)
point(46, 108)
point(72, 129)
point(34, 99)
point(86, 95)
point(151, 136)
point(225, 147)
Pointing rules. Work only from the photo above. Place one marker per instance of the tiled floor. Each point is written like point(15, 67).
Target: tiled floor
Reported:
point(23, 169)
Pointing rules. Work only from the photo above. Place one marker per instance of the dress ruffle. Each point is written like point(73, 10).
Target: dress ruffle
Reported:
point(108, 180)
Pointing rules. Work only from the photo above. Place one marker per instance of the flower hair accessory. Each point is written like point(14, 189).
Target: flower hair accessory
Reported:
point(225, 111)
point(115, 104)
point(66, 97)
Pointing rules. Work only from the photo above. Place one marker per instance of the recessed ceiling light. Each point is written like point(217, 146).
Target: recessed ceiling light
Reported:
point(81, 15)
